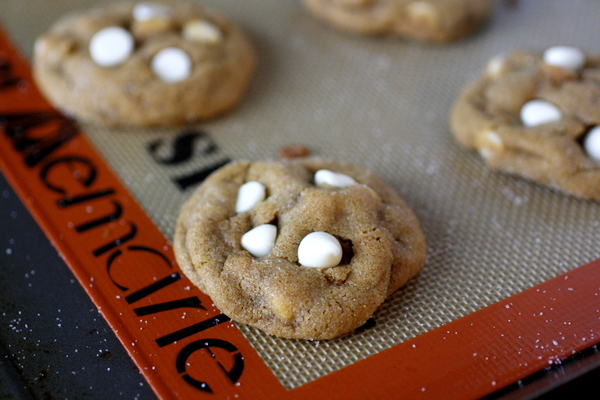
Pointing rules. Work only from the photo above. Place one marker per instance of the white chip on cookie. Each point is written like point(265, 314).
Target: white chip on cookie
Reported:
point(567, 57)
point(423, 11)
point(489, 144)
point(537, 112)
point(591, 144)
point(260, 240)
point(172, 64)
point(250, 194)
point(327, 177)
point(202, 32)
point(146, 11)
point(111, 46)
point(150, 19)
point(319, 250)
point(496, 66)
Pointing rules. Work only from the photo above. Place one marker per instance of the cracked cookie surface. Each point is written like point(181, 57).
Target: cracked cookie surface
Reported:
point(382, 246)
point(172, 63)
point(435, 21)
point(531, 115)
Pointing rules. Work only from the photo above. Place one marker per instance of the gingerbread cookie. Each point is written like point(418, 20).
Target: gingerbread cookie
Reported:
point(144, 64)
point(536, 115)
point(436, 21)
point(301, 248)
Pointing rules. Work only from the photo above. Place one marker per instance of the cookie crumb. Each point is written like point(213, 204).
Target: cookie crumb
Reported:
point(294, 151)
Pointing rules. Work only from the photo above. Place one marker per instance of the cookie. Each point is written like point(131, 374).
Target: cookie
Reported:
point(144, 64)
point(535, 115)
point(302, 248)
point(433, 21)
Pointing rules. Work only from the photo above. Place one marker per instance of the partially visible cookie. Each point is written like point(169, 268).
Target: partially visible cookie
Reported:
point(536, 115)
point(144, 64)
point(435, 21)
point(301, 248)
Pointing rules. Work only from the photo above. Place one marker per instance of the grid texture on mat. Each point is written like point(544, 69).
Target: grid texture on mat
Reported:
point(381, 103)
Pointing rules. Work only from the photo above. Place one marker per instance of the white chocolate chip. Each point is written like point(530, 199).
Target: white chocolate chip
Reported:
point(111, 46)
point(591, 144)
point(319, 250)
point(260, 240)
point(282, 307)
point(496, 66)
point(146, 11)
point(489, 144)
point(172, 64)
point(567, 57)
point(537, 112)
point(327, 177)
point(493, 140)
point(423, 11)
point(151, 19)
point(201, 31)
point(249, 195)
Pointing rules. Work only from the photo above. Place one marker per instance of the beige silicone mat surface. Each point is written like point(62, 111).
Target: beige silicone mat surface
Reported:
point(381, 103)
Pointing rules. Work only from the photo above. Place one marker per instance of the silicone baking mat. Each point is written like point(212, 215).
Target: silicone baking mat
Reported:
point(502, 294)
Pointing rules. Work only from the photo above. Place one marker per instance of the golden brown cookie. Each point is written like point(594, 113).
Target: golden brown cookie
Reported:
point(436, 21)
point(144, 64)
point(301, 248)
point(535, 115)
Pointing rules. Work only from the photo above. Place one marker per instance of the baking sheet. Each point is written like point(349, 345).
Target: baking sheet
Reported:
point(381, 103)
point(384, 104)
